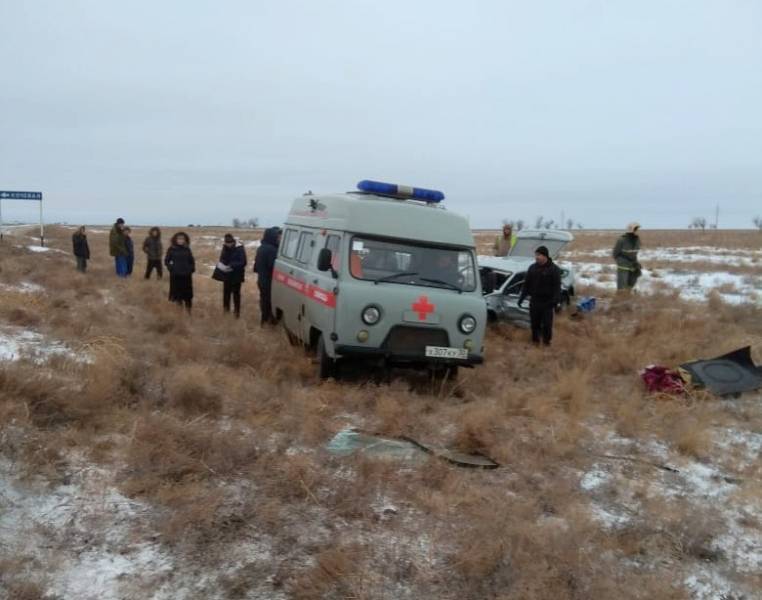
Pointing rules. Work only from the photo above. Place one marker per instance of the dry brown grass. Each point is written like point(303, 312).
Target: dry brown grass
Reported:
point(220, 427)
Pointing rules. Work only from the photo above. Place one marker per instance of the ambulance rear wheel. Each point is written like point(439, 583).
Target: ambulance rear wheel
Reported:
point(326, 364)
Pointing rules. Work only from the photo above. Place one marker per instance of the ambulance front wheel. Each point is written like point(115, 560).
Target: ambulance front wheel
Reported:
point(326, 364)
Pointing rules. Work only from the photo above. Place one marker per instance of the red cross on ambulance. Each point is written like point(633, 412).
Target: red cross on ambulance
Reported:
point(422, 311)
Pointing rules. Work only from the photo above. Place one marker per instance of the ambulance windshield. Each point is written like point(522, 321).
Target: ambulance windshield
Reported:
point(391, 261)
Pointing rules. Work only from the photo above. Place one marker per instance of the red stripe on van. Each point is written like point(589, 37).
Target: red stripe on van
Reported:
point(312, 292)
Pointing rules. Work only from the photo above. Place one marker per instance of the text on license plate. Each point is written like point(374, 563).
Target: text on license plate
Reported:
point(442, 352)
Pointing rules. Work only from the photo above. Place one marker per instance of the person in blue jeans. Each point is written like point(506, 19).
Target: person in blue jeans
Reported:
point(130, 250)
point(118, 247)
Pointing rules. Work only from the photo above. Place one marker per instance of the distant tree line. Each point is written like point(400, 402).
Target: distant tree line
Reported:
point(252, 223)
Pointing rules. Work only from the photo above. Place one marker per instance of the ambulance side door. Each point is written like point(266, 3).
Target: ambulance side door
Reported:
point(303, 272)
point(322, 286)
point(285, 296)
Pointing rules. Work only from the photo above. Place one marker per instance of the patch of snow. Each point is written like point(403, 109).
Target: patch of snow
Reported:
point(594, 479)
point(744, 446)
point(17, 343)
point(25, 287)
point(717, 488)
point(38, 248)
point(686, 254)
point(692, 286)
point(709, 585)
point(81, 532)
point(608, 518)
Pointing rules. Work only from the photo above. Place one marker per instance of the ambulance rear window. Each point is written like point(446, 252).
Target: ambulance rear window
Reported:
point(305, 247)
point(289, 244)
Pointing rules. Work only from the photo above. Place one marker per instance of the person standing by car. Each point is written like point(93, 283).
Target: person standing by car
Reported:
point(505, 242)
point(264, 265)
point(81, 249)
point(181, 266)
point(130, 250)
point(152, 247)
point(232, 263)
point(626, 256)
point(543, 286)
point(118, 247)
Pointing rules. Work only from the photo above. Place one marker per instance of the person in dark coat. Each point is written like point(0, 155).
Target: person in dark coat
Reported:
point(153, 248)
point(181, 266)
point(81, 249)
point(543, 286)
point(233, 263)
point(130, 250)
point(264, 265)
point(118, 247)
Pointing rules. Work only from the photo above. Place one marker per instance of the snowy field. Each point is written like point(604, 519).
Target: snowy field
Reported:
point(694, 272)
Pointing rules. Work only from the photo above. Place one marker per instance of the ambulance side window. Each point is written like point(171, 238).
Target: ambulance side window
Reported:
point(333, 243)
point(290, 240)
point(305, 247)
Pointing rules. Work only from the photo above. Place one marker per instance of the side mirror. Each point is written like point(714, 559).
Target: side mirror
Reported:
point(324, 260)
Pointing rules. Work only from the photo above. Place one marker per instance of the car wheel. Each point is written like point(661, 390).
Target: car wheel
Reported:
point(326, 364)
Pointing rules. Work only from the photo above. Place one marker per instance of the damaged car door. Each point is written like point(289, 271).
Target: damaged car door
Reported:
point(503, 299)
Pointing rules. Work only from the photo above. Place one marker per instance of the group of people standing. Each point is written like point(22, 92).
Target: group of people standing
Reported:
point(181, 264)
point(543, 279)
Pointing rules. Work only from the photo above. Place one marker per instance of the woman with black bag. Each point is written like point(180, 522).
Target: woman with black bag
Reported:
point(181, 266)
point(231, 270)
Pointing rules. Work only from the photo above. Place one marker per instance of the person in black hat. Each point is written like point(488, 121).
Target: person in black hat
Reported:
point(233, 264)
point(543, 286)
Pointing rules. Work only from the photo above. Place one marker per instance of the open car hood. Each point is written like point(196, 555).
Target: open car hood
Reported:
point(528, 240)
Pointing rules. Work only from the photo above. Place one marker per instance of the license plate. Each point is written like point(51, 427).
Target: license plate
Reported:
point(441, 352)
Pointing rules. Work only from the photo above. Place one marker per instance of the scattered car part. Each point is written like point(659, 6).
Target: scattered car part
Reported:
point(727, 375)
point(349, 441)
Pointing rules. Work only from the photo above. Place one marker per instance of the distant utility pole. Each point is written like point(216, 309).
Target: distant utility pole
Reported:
point(717, 216)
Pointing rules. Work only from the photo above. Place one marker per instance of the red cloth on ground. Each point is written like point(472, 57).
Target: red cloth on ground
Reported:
point(662, 379)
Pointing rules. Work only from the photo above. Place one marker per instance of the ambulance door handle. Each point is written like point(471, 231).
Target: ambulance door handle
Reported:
point(315, 281)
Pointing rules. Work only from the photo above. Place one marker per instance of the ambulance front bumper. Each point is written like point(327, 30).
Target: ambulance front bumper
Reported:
point(397, 357)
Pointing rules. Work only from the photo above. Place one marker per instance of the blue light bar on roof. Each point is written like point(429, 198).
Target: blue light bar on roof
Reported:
point(399, 191)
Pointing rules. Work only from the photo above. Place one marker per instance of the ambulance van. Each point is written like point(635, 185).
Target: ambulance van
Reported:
point(385, 274)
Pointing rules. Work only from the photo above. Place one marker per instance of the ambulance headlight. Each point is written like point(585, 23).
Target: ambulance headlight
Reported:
point(371, 315)
point(467, 324)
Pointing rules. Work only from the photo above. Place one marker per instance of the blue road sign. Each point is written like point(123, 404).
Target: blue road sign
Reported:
point(20, 195)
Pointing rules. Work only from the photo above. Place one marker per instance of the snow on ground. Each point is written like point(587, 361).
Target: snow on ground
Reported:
point(17, 343)
point(728, 517)
point(693, 286)
point(686, 254)
point(61, 529)
point(93, 543)
point(24, 287)
point(43, 249)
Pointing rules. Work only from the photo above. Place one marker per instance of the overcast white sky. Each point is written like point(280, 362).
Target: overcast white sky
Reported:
point(177, 112)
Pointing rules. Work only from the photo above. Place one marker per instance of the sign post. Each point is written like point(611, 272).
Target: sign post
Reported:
point(33, 196)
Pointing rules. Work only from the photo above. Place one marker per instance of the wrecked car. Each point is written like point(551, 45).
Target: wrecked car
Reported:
point(503, 276)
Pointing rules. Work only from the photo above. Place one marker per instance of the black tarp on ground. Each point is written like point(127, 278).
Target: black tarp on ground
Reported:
point(726, 375)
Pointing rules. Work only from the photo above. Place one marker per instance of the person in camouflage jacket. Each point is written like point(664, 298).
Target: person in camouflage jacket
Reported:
point(626, 256)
